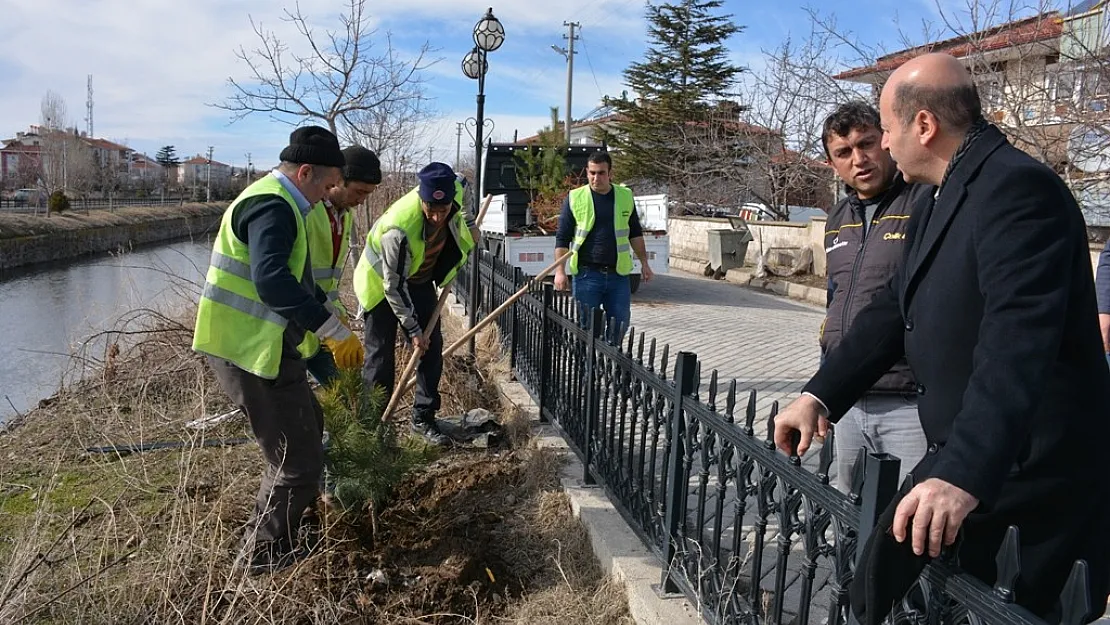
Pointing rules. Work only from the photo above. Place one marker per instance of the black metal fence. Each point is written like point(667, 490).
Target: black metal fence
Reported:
point(12, 205)
point(746, 533)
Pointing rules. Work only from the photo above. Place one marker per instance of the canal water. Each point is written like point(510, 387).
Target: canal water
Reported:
point(47, 313)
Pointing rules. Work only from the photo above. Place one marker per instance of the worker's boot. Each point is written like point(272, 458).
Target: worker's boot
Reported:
point(425, 426)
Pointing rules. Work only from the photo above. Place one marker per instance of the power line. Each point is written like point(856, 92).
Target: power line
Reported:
point(600, 95)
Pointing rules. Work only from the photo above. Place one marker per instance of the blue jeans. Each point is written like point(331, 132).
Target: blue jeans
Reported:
point(607, 290)
point(322, 366)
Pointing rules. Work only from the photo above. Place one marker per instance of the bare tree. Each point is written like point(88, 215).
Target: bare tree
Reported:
point(342, 81)
point(791, 97)
point(53, 124)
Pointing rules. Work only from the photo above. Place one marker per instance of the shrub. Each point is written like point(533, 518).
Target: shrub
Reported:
point(58, 202)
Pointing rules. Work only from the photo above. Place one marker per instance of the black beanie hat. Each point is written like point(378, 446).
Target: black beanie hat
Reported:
point(362, 165)
point(313, 145)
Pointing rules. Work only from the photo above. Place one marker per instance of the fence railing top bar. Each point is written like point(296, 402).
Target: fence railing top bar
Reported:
point(797, 476)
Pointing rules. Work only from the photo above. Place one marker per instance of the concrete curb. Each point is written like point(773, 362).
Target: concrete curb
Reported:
point(619, 551)
point(744, 277)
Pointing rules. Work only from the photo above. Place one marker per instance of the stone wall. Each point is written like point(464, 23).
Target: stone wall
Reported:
point(65, 244)
point(689, 238)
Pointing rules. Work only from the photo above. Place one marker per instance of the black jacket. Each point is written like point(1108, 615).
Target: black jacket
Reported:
point(860, 265)
point(994, 308)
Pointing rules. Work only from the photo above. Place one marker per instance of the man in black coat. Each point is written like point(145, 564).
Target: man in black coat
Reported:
point(994, 308)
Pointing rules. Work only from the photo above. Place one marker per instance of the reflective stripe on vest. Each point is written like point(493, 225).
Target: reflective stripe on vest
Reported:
point(407, 215)
point(232, 322)
point(320, 246)
point(582, 207)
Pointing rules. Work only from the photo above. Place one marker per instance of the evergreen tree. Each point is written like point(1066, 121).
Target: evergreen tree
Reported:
point(167, 157)
point(542, 171)
point(365, 459)
point(666, 135)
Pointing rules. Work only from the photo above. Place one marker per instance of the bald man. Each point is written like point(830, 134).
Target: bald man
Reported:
point(994, 309)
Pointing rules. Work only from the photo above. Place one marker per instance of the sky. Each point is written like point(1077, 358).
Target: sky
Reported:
point(158, 66)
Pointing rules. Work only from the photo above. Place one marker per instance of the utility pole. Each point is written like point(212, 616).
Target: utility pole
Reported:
point(250, 166)
point(208, 175)
point(458, 144)
point(568, 52)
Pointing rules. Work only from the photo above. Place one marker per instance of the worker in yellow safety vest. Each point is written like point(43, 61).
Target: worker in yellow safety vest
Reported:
point(600, 225)
point(259, 312)
point(419, 242)
point(329, 231)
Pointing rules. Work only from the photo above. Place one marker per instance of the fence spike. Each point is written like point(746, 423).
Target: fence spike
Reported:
point(631, 340)
point(769, 443)
point(640, 350)
point(825, 460)
point(697, 379)
point(663, 370)
point(1008, 562)
point(749, 416)
point(1076, 597)
point(713, 391)
point(858, 475)
point(730, 402)
point(651, 356)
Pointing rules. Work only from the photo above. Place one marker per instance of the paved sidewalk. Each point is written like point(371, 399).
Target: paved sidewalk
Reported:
point(765, 342)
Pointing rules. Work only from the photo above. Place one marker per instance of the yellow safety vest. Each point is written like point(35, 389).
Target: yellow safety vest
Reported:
point(407, 215)
point(582, 206)
point(324, 272)
point(232, 322)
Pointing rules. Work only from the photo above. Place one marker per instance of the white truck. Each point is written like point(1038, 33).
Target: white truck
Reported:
point(507, 228)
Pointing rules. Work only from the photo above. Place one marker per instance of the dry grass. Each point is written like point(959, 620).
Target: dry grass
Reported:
point(20, 225)
point(151, 537)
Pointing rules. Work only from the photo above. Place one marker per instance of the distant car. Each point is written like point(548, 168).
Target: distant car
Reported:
point(28, 197)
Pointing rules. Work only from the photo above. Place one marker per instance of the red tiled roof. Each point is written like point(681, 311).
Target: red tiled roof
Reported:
point(19, 148)
point(790, 156)
point(1041, 27)
point(104, 144)
point(200, 160)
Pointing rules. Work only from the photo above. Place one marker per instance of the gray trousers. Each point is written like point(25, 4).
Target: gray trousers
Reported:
point(288, 423)
point(881, 423)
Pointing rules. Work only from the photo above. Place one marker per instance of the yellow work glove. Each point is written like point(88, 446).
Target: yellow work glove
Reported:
point(348, 353)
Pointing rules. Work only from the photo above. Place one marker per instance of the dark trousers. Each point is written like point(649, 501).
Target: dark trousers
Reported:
point(380, 340)
point(288, 423)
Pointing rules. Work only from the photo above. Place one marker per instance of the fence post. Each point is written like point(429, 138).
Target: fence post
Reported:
point(593, 398)
point(684, 371)
point(880, 484)
point(517, 279)
point(546, 366)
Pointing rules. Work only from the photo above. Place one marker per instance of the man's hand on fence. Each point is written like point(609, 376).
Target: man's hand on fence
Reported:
point(938, 509)
point(797, 424)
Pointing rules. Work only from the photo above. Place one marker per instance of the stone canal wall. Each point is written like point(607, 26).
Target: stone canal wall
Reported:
point(31, 239)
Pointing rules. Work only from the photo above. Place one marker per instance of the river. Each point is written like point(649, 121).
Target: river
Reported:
point(47, 313)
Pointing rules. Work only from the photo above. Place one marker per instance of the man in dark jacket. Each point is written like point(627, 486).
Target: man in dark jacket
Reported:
point(259, 309)
point(864, 239)
point(994, 308)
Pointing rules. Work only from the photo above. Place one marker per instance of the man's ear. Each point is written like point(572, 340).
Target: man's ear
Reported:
point(927, 127)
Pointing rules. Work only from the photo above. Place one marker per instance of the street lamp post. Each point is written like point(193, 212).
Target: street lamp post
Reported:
point(489, 34)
